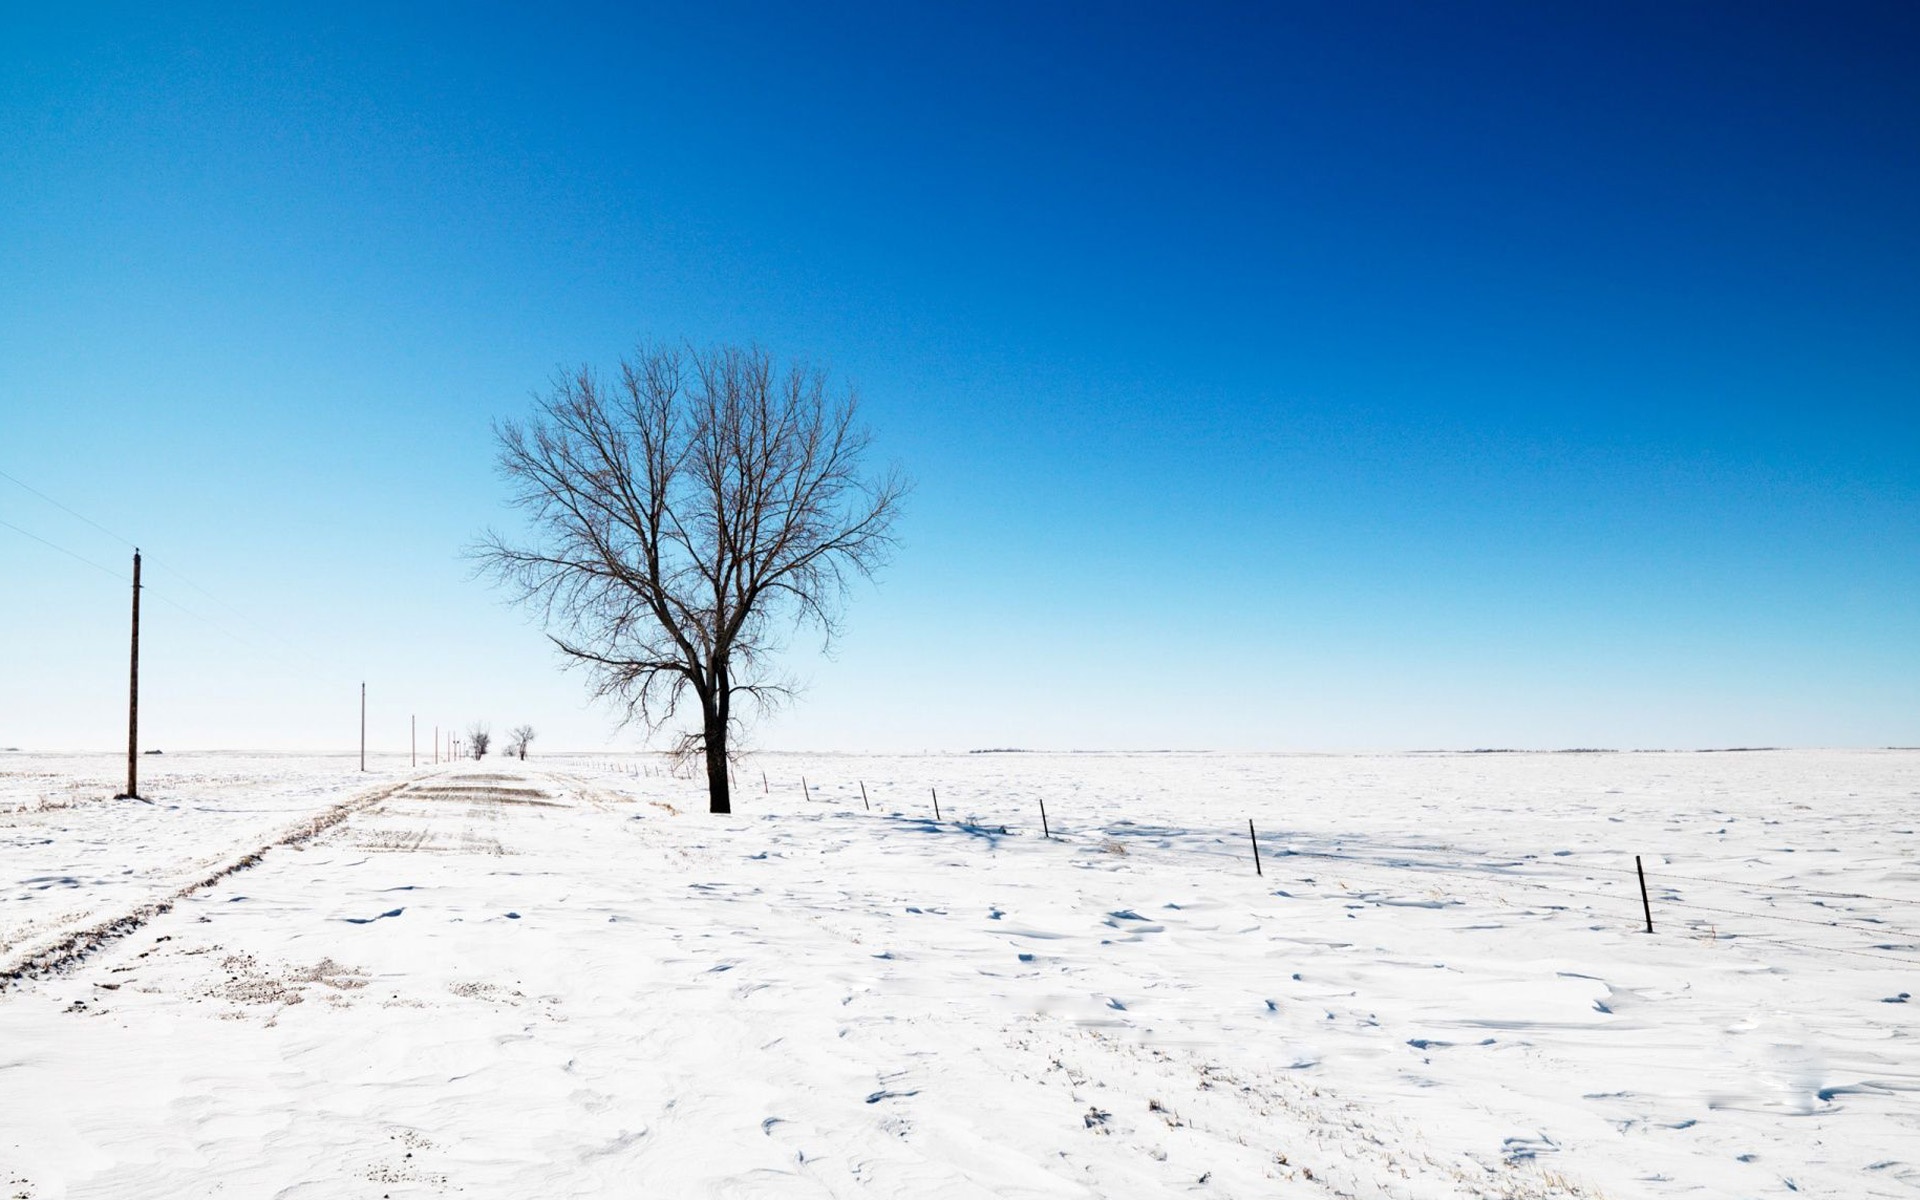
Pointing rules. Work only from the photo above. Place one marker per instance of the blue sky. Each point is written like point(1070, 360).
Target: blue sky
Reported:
point(1274, 377)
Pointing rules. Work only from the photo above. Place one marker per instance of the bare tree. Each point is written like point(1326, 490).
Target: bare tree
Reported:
point(479, 737)
point(686, 517)
point(522, 736)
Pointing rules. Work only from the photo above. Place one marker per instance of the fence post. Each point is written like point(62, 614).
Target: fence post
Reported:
point(1645, 906)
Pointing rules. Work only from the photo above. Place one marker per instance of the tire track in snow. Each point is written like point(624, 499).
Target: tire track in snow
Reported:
point(64, 950)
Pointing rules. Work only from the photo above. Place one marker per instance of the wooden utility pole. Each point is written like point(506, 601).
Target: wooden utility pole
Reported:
point(133, 692)
point(363, 725)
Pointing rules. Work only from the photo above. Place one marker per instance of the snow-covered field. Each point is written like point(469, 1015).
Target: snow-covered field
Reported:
point(565, 979)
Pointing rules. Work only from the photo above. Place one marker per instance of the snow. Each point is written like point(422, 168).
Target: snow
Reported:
point(564, 978)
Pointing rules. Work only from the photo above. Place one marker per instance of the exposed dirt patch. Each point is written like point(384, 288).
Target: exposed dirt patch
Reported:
point(396, 841)
point(487, 795)
point(476, 990)
point(248, 982)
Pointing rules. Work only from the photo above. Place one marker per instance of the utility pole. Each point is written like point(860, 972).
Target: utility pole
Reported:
point(363, 725)
point(133, 692)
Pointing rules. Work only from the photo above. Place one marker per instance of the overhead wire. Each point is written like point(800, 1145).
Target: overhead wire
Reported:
point(18, 482)
point(76, 556)
point(121, 576)
point(285, 651)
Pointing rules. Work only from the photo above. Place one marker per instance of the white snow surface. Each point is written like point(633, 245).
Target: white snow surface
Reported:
point(281, 977)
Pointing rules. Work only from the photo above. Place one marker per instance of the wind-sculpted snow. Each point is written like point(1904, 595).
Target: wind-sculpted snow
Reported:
point(134, 851)
point(568, 980)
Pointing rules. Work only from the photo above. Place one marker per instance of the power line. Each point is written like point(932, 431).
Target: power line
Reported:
point(286, 651)
point(164, 564)
point(161, 597)
point(62, 549)
point(63, 508)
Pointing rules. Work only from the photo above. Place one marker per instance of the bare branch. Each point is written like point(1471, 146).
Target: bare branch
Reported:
point(683, 519)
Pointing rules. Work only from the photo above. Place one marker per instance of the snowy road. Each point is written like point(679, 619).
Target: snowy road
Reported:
point(513, 982)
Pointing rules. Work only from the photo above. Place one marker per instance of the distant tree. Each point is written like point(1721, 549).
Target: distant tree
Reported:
point(686, 516)
point(479, 736)
point(522, 736)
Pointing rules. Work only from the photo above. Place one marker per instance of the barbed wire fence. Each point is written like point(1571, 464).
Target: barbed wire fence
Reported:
point(1492, 878)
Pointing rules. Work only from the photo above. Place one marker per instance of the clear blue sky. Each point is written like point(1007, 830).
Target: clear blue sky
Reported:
point(1291, 376)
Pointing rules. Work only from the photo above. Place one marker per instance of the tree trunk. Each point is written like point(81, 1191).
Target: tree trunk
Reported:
point(720, 800)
